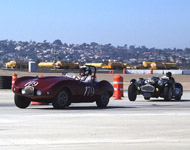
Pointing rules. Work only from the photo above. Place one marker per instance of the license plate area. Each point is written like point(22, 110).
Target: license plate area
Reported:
point(147, 94)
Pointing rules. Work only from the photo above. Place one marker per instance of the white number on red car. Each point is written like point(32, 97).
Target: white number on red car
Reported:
point(89, 91)
point(31, 83)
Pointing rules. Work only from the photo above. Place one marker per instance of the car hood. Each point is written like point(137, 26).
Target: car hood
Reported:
point(40, 83)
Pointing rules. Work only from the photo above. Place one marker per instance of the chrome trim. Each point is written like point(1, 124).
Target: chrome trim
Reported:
point(29, 90)
point(147, 88)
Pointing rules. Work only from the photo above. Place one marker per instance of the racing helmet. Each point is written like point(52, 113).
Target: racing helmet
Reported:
point(169, 74)
point(86, 70)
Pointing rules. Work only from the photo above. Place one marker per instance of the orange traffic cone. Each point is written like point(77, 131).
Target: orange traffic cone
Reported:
point(118, 80)
point(151, 71)
point(117, 93)
point(39, 103)
point(14, 77)
point(124, 70)
point(40, 76)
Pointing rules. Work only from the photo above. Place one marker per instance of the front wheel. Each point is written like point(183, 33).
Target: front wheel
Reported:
point(132, 92)
point(62, 100)
point(21, 102)
point(167, 93)
point(103, 100)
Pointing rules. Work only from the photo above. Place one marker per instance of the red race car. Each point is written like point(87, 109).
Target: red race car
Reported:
point(62, 91)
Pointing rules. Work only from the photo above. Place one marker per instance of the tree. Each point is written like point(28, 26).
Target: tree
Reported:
point(57, 42)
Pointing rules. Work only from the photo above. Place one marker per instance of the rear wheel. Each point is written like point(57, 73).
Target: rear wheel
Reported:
point(103, 100)
point(167, 93)
point(132, 92)
point(21, 102)
point(62, 100)
point(178, 97)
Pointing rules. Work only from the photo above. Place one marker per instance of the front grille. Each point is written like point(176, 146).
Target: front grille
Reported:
point(147, 88)
point(29, 90)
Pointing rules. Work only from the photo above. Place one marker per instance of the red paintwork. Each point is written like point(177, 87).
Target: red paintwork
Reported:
point(54, 84)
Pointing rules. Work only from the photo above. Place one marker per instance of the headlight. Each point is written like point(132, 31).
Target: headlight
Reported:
point(39, 92)
point(23, 91)
point(146, 81)
point(160, 82)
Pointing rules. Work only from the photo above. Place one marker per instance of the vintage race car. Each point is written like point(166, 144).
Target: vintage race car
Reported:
point(154, 87)
point(61, 91)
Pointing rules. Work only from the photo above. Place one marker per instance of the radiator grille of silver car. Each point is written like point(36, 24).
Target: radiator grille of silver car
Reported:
point(29, 90)
point(147, 88)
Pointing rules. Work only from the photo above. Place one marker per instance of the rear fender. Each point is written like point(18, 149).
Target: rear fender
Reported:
point(179, 85)
point(105, 86)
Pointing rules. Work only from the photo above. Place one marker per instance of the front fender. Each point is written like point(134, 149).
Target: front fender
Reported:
point(132, 81)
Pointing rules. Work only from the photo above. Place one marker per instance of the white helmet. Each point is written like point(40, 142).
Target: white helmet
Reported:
point(86, 70)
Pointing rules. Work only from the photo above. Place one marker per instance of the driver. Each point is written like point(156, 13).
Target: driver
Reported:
point(85, 74)
point(171, 79)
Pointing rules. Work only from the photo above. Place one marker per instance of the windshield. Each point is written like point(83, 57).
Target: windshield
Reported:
point(70, 75)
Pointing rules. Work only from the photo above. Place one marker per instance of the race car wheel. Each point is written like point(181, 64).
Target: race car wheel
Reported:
point(132, 92)
point(61, 100)
point(21, 102)
point(167, 93)
point(103, 100)
point(178, 97)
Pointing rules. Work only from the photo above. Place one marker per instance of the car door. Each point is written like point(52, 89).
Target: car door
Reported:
point(85, 92)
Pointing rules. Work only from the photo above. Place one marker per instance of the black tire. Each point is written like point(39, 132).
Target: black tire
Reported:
point(2, 82)
point(5, 82)
point(132, 92)
point(8, 82)
point(61, 100)
point(103, 101)
point(167, 93)
point(21, 102)
point(1, 86)
point(178, 97)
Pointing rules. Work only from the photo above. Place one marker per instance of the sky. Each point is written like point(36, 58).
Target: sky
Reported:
point(153, 23)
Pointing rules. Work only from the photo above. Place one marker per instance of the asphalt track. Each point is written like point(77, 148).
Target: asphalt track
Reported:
point(139, 125)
